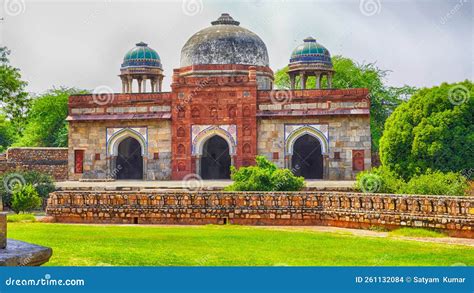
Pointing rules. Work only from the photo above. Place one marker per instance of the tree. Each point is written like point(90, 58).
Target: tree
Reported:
point(14, 101)
point(47, 126)
point(6, 134)
point(384, 99)
point(433, 130)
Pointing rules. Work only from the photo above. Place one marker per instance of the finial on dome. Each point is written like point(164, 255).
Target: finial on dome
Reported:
point(310, 40)
point(141, 44)
point(225, 19)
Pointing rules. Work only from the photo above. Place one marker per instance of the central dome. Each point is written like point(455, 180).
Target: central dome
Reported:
point(225, 42)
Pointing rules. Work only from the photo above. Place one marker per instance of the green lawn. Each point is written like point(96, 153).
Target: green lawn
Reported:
point(101, 245)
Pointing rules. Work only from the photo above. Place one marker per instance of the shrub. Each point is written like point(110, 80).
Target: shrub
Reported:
point(379, 180)
point(25, 198)
point(265, 176)
point(43, 184)
point(437, 183)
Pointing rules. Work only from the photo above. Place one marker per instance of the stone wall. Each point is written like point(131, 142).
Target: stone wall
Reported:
point(52, 161)
point(91, 137)
point(454, 215)
point(346, 133)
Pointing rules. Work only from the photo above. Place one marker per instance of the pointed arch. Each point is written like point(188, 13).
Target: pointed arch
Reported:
point(119, 136)
point(203, 136)
point(293, 137)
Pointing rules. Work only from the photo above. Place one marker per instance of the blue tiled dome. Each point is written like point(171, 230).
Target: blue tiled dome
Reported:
point(311, 52)
point(141, 56)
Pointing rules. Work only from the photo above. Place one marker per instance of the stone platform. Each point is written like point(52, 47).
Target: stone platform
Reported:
point(19, 253)
point(137, 185)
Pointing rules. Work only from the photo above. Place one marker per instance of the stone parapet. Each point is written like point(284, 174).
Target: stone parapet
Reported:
point(453, 215)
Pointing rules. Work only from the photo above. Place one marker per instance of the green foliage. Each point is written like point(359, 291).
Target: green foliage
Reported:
point(384, 99)
point(14, 101)
point(47, 126)
point(437, 183)
point(6, 134)
point(383, 180)
point(416, 232)
point(431, 131)
point(43, 184)
point(25, 198)
point(21, 218)
point(264, 177)
point(379, 180)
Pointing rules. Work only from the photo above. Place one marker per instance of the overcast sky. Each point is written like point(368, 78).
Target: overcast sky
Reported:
point(82, 43)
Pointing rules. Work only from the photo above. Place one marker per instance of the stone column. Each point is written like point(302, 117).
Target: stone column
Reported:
point(292, 81)
point(329, 80)
point(303, 80)
point(124, 86)
point(318, 80)
point(130, 83)
point(144, 84)
point(139, 80)
point(160, 83)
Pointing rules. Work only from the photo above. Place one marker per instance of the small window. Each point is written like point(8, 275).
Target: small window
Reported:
point(97, 157)
point(276, 155)
point(337, 155)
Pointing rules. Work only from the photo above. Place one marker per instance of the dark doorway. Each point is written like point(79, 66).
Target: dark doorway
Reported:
point(129, 160)
point(307, 160)
point(215, 161)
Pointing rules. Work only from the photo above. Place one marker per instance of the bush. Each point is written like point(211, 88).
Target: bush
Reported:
point(265, 176)
point(382, 180)
point(437, 183)
point(379, 180)
point(43, 184)
point(25, 198)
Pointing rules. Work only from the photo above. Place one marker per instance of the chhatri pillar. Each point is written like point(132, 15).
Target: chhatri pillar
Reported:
point(310, 59)
point(142, 64)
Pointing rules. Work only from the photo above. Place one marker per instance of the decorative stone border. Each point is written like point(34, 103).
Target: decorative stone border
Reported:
point(453, 215)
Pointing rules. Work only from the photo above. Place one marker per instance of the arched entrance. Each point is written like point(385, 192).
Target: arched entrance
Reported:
point(129, 162)
point(215, 159)
point(307, 159)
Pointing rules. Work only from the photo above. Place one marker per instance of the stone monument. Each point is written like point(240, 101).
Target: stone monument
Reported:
point(19, 253)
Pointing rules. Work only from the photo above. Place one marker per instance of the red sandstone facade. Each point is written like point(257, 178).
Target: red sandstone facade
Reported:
point(222, 111)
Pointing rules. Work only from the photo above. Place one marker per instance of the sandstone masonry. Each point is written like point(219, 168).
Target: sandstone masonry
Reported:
point(454, 215)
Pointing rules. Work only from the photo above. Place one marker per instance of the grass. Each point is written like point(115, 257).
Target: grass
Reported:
point(416, 232)
point(102, 245)
point(14, 218)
